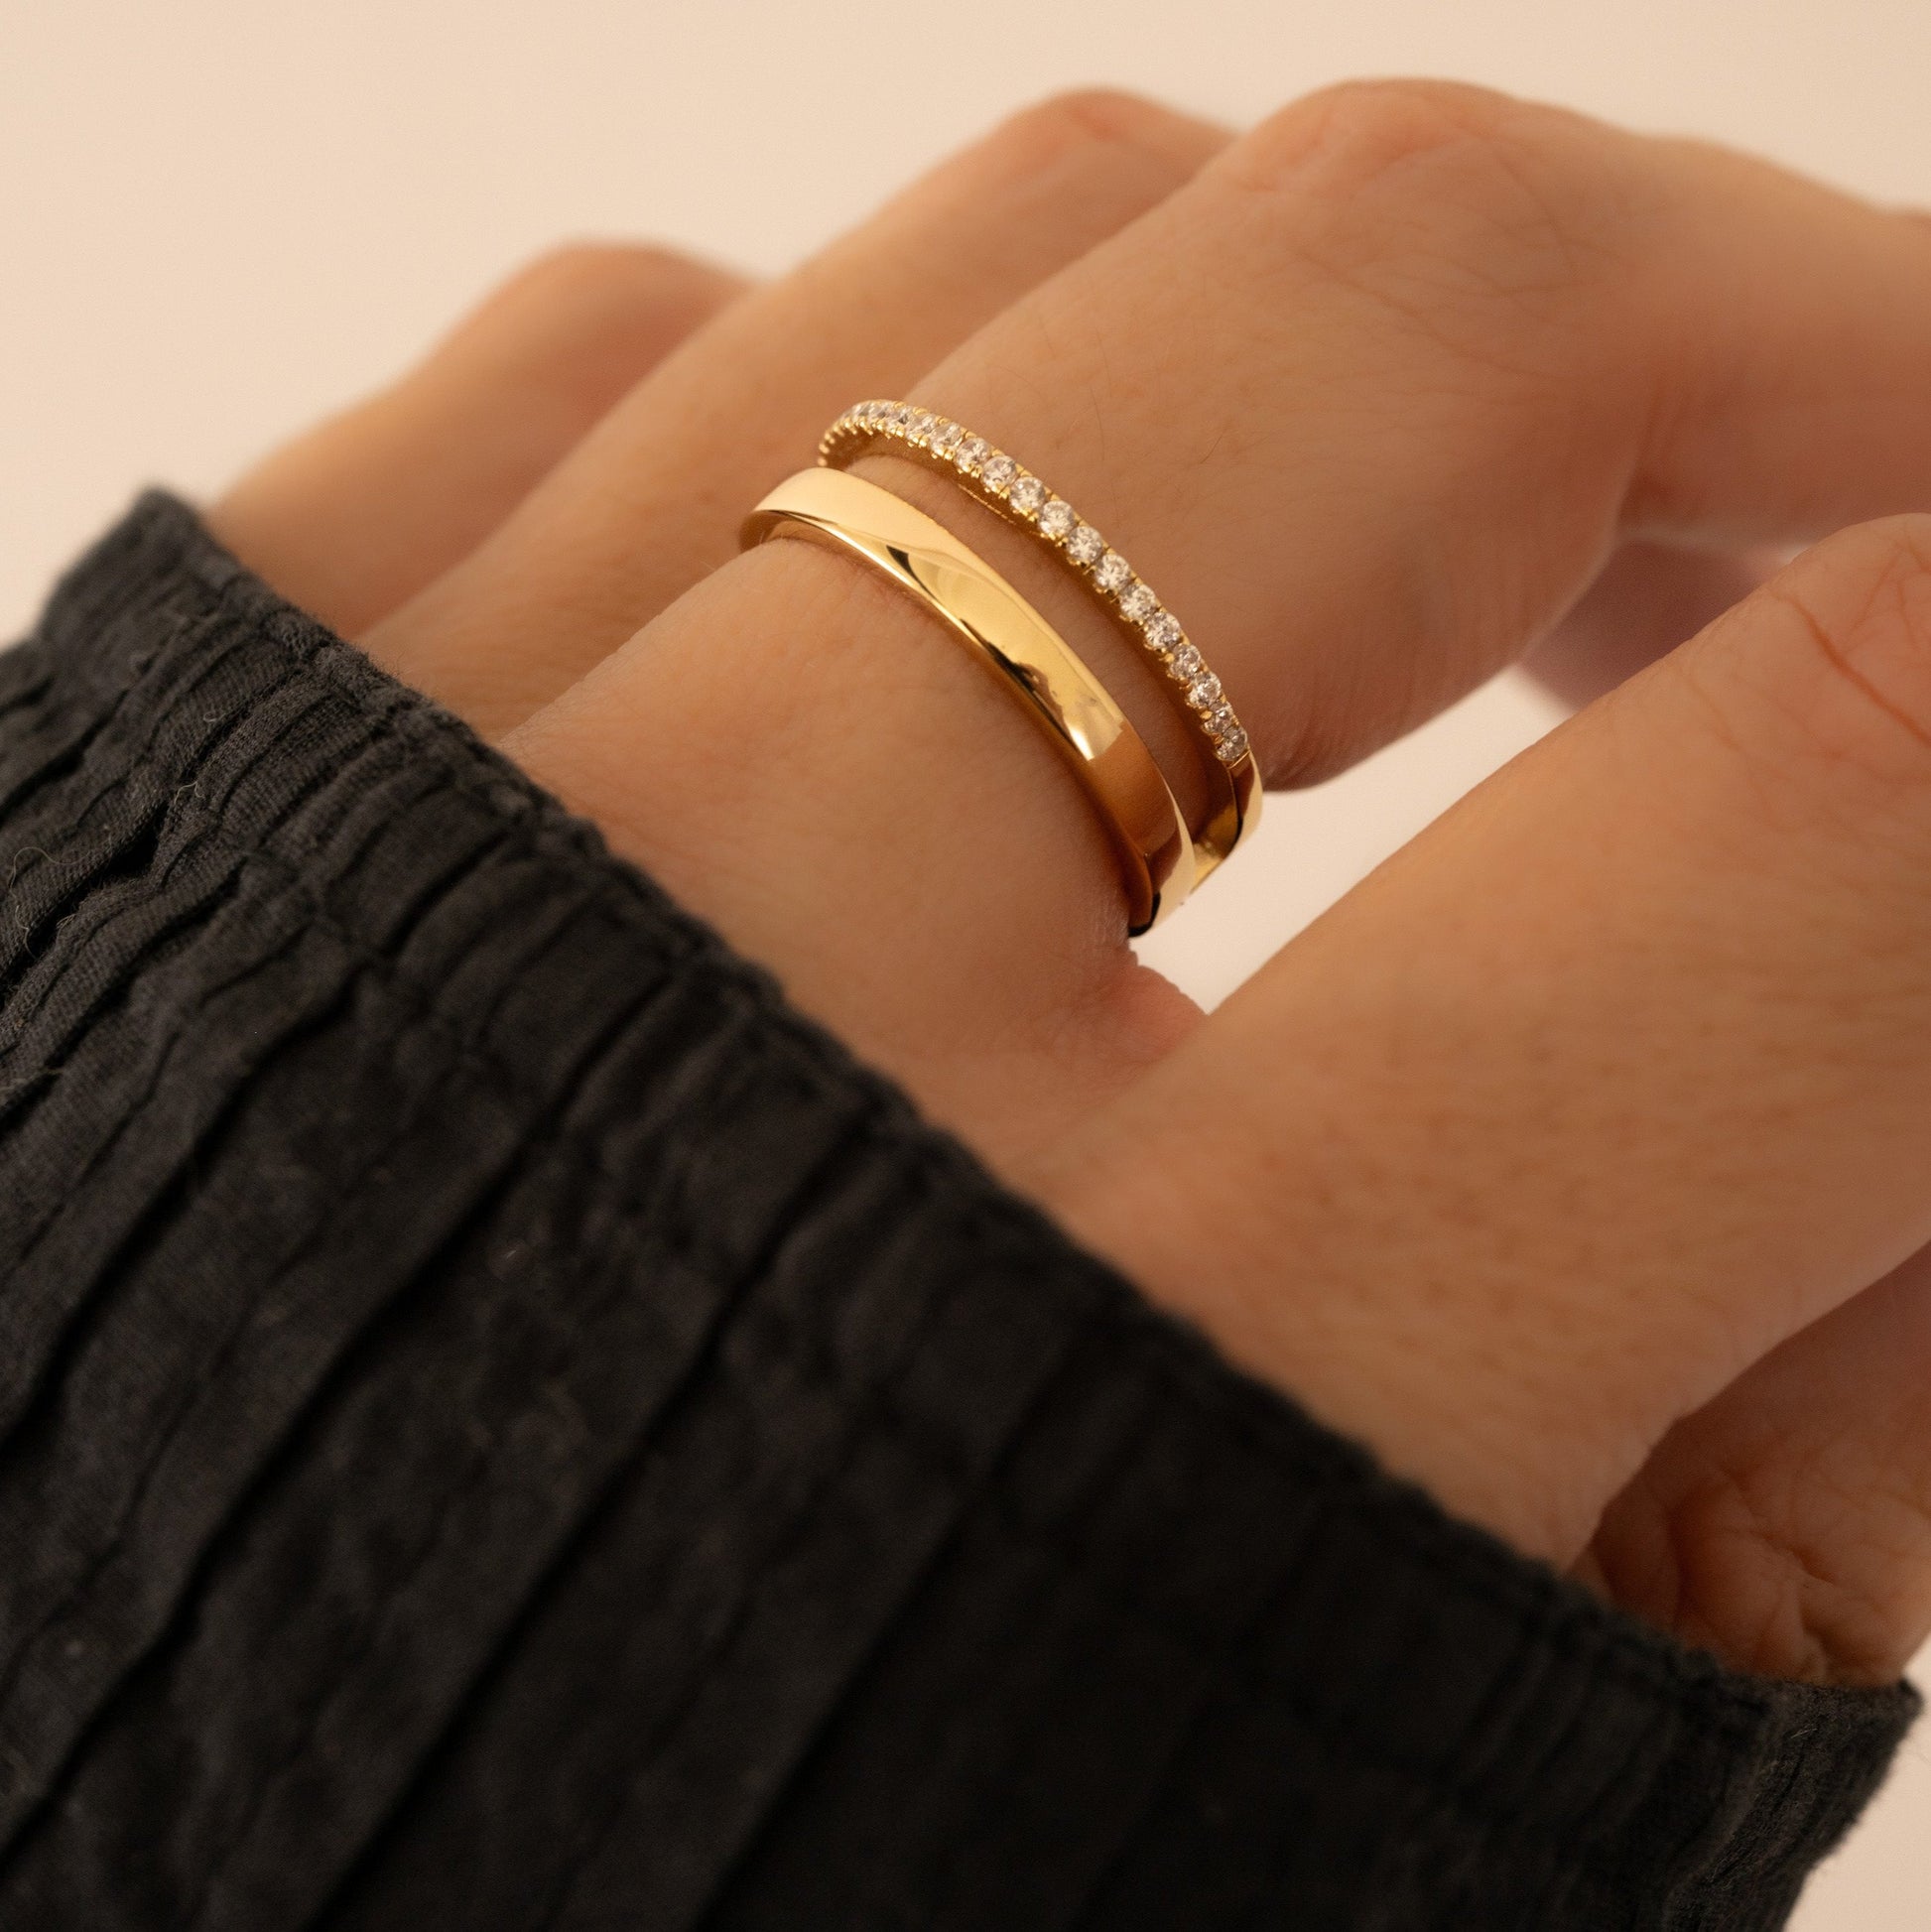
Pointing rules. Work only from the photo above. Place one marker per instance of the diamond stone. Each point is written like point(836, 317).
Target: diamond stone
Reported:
point(922, 423)
point(1231, 748)
point(998, 473)
point(1086, 545)
point(1113, 572)
point(1057, 518)
point(971, 452)
point(1205, 692)
point(1140, 604)
point(902, 414)
point(1026, 495)
point(946, 438)
point(1188, 663)
point(1163, 631)
point(1220, 720)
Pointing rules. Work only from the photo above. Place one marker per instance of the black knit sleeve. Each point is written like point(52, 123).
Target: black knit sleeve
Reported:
point(504, 1425)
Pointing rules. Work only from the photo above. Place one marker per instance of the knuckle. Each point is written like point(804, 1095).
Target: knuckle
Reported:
point(1042, 134)
point(1774, 1572)
point(1519, 198)
point(572, 329)
point(603, 291)
point(1860, 602)
point(1372, 125)
point(608, 281)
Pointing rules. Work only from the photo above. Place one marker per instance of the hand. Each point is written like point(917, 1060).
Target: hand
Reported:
point(1580, 1160)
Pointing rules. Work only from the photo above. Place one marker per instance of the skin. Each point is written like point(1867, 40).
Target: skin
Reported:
point(1580, 1160)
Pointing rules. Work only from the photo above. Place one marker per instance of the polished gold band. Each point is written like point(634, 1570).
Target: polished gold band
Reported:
point(1160, 860)
point(998, 480)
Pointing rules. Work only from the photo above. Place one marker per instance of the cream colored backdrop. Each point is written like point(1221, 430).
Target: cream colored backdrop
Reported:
point(219, 217)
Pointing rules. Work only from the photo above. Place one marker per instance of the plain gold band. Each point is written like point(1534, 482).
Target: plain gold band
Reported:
point(1004, 485)
point(1135, 804)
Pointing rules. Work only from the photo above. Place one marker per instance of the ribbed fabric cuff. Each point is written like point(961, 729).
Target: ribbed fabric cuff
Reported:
point(504, 1424)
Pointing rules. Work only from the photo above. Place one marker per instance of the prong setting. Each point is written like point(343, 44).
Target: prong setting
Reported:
point(1018, 493)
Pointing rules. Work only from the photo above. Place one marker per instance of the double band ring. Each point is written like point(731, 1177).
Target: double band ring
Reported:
point(1163, 859)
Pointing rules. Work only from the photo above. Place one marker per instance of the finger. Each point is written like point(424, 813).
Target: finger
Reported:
point(1455, 351)
point(912, 897)
point(360, 513)
point(1649, 597)
point(1460, 348)
point(1606, 1086)
point(653, 499)
point(1787, 1524)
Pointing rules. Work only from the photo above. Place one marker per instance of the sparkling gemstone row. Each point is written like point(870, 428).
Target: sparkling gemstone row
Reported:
point(1055, 520)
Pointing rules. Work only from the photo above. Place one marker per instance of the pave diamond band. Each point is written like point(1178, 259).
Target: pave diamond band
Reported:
point(998, 479)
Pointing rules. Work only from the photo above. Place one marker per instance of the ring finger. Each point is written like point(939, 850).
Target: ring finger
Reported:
point(1370, 402)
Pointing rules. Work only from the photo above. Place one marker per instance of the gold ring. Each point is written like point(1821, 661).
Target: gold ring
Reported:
point(997, 480)
point(1135, 804)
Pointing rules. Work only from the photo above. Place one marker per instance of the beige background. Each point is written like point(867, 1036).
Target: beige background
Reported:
point(217, 219)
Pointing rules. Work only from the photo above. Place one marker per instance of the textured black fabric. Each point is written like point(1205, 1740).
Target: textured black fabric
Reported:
point(503, 1425)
